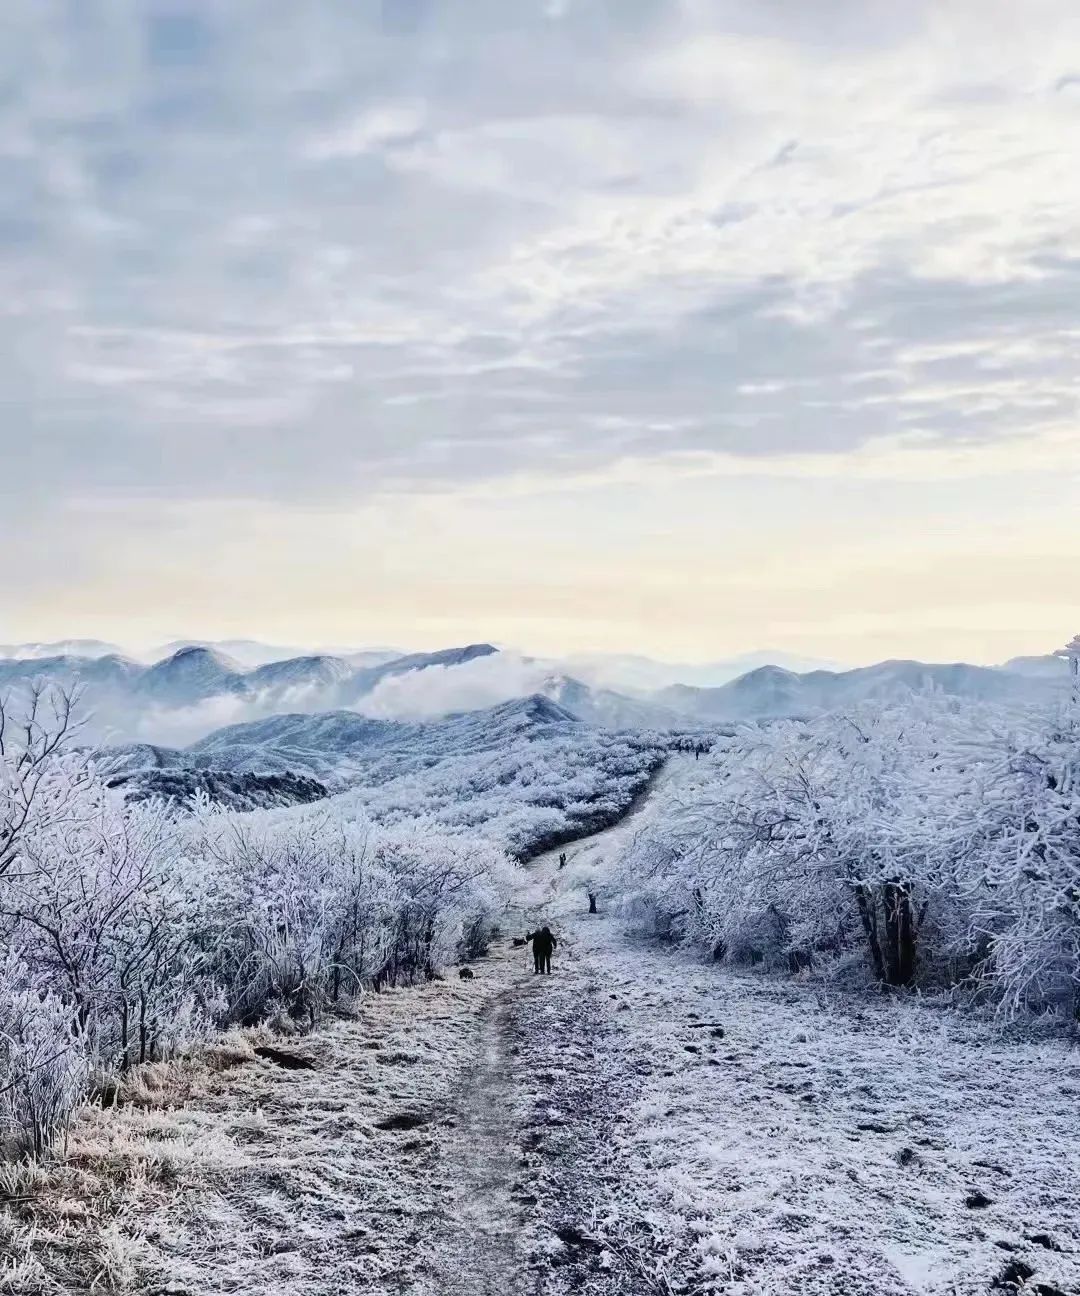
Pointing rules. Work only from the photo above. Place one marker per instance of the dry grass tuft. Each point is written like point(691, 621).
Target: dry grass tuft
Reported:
point(73, 1221)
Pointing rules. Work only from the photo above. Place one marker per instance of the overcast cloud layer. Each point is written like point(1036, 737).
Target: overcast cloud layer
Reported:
point(576, 323)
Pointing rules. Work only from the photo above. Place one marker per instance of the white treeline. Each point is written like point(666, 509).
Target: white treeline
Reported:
point(128, 932)
point(527, 793)
point(927, 842)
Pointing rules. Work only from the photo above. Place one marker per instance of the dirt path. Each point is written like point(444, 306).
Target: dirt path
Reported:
point(476, 1246)
point(533, 1147)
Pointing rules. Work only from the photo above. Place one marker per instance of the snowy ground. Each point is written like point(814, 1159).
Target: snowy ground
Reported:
point(637, 1122)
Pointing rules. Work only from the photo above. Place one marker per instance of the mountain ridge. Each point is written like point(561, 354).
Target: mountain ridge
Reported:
point(199, 690)
point(772, 692)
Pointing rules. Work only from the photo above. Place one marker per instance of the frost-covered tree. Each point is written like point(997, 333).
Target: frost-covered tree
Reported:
point(44, 1062)
point(1027, 885)
point(33, 747)
point(942, 838)
point(101, 914)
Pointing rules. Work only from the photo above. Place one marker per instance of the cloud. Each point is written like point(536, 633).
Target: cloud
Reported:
point(174, 726)
point(370, 250)
point(438, 690)
point(385, 127)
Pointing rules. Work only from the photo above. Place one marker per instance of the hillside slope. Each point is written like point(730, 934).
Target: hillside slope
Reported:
point(526, 773)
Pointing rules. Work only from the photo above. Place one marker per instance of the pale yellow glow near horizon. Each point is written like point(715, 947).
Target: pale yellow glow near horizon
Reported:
point(854, 558)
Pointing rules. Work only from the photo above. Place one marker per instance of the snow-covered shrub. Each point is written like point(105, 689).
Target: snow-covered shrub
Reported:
point(103, 918)
point(1026, 895)
point(274, 897)
point(44, 1063)
point(300, 907)
point(128, 932)
point(449, 886)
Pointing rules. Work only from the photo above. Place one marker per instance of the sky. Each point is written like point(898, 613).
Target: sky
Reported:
point(681, 327)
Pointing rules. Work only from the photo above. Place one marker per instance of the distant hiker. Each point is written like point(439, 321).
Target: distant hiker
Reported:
point(543, 942)
point(562, 859)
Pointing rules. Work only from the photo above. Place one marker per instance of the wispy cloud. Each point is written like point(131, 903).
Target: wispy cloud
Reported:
point(310, 256)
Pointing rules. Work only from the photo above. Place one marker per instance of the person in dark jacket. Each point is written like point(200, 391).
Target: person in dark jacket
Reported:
point(543, 942)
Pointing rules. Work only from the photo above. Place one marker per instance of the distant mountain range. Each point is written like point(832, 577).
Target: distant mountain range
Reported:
point(197, 690)
point(61, 648)
point(636, 674)
point(247, 653)
point(771, 692)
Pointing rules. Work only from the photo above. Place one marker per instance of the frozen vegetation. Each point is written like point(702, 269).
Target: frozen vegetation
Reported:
point(525, 774)
point(820, 1036)
point(928, 842)
point(641, 1122)
point(131, 931)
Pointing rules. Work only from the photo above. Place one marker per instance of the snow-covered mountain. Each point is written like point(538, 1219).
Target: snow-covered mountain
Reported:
point(337, 747)
point(625, 672)
point(369, 656)
point(247, 653)
point(318, 672)
point(527, 771)
point(111, 669)
point(605, 707)
point(330, 744)
point(771, 691)
point(251, 653)
point(192, 675)
point(197, 689)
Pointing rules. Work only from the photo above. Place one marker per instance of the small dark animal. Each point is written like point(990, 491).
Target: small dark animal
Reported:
point(466, 974)
point(519, 941)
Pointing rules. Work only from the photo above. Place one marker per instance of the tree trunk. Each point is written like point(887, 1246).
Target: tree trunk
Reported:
point(899, 934)
point(868, 913)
